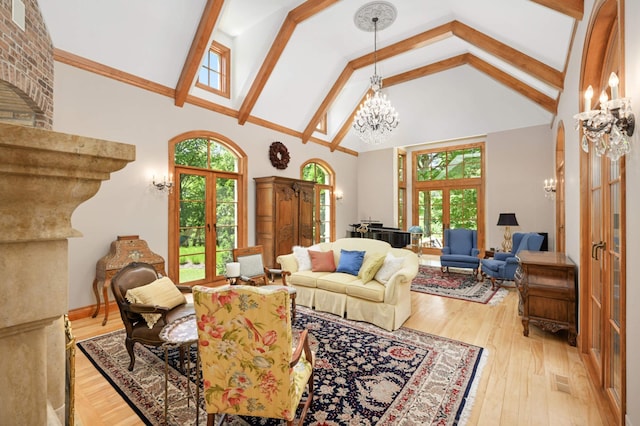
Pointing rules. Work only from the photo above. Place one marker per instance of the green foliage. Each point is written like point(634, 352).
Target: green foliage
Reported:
point(454, 164)
point(211, 156)
point(314, 172)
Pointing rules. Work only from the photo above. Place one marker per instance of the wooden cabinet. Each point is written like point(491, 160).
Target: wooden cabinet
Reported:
point(547, 285)
point(284, 215)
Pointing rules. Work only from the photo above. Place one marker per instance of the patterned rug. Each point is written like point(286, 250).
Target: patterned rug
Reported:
point(457, 284)
point(363, 376)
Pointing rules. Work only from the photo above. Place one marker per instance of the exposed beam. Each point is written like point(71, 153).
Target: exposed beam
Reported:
point(199, 45)
point(534, 95)
point(572, 8)
point(525, 63)
point(397, 79)
point(294, 17)
point(417, 41)
point(506, 53)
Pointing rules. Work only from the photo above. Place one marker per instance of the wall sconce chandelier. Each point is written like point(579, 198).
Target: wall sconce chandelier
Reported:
point(550, 187)
point(164, 186)
point(609, 128)
point(376, 118)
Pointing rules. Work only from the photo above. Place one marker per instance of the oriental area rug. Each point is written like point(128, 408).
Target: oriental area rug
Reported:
point(457, 284)
point(364, 375)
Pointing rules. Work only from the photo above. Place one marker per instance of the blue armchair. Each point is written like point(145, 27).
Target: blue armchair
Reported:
point(460, 250)
point(504, 264)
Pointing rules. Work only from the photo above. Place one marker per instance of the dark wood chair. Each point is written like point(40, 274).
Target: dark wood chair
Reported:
point(253, 271)
point(136, 275)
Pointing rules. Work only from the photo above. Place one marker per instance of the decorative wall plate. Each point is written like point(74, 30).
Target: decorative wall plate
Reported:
point(279, 155)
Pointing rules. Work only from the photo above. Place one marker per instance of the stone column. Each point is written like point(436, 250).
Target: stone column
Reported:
point(44, 176)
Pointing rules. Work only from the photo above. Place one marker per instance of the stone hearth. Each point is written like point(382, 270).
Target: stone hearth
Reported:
point(44, 176)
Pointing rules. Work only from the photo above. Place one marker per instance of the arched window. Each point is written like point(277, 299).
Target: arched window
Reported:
point(207, 209)
point(324, 211)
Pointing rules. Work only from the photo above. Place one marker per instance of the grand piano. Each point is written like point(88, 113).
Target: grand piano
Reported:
point(376, 231)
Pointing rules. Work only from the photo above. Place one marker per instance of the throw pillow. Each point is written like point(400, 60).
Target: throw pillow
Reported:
point(390, 266)
point(372, 263)
point(350, 261)
point(302, 256)
point(161, 292)
point(322, 261)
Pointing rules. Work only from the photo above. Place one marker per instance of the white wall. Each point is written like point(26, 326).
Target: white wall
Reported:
point(377, 186)
point(90, 105)
point(517, 163)
point(632, 90)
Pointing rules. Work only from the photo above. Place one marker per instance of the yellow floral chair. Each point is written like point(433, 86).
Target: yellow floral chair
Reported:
point(249, 365)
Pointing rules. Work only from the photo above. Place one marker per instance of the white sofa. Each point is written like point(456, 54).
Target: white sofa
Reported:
point(385, 305)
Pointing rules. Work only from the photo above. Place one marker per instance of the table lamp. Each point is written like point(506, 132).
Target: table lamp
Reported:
point(507, 220)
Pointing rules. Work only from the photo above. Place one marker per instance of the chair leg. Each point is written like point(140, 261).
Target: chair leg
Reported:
point(128, 343)
point(443, 269)
point(475, 274)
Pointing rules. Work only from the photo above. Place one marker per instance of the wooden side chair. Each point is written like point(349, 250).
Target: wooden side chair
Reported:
point(250, 366)
point(253, 272)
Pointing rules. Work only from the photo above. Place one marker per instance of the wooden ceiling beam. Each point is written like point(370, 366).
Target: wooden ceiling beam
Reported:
point(294, 17)
point(199, 45)
point(534, 95)
point(531, 66)
point(529, 92)
point(415, 42)
point(571, 8)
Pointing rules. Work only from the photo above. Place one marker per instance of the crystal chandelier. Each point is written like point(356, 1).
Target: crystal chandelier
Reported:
point(376, 118)
point(609, 128)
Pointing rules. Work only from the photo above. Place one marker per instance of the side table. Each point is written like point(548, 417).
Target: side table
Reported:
point(182, 333)
point(123, 251)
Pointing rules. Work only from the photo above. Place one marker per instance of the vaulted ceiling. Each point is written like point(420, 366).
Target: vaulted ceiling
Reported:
point(451, 68)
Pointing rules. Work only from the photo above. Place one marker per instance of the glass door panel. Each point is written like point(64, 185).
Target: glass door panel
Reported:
point(463, 208)
point(431, 219)
point(226, 227)
point(192, 253)
point(323, 232)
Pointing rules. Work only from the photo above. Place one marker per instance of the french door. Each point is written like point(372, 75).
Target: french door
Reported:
point(603, 230)
point(207, 224)
point(439, 208)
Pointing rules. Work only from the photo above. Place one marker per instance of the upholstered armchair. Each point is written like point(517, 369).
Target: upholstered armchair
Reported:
point(249, 363)
point(504, 264)
point(147, 303)
point(460, 250)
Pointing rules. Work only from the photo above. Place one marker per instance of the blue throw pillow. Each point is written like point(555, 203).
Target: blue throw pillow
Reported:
point(350, 261)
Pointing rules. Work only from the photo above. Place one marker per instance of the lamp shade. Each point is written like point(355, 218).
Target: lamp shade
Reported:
point(507, 219)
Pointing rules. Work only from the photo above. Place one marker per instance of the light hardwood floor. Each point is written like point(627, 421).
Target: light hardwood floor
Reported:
point(535, 380)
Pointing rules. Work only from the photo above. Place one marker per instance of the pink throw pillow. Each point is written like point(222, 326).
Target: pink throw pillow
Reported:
point(322, 261)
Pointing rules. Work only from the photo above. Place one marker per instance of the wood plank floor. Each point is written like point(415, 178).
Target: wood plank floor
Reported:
point(535, 380)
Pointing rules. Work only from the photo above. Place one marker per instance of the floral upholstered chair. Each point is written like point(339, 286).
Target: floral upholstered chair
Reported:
point(249, 365)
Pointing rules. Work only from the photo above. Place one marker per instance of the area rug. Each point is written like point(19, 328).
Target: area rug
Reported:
point(456, 284)
point(363, 376)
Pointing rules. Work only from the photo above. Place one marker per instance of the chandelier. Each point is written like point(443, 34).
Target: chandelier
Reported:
point(610, 127)
point(376, 118)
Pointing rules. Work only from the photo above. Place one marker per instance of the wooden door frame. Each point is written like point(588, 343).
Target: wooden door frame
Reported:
point(560, 240)
point(607, 17)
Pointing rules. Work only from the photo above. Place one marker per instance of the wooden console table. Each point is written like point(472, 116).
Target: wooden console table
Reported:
point(123, 251)
point(547, 285)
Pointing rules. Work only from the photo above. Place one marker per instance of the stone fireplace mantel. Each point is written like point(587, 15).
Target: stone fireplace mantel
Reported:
point(44, 177)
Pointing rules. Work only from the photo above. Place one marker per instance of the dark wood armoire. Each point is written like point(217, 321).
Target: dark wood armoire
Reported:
point(284, 215)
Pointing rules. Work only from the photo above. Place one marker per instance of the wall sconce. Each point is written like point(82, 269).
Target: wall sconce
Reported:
point(164, 186)
point(339, 195)
point(610, 127)
point(550, 187)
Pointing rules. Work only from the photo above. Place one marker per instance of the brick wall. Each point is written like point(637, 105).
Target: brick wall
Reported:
point(26, 60)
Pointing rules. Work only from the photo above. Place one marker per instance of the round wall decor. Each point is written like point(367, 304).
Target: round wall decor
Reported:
point(279, 155)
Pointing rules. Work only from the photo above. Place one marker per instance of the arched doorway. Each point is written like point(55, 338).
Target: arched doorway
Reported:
point(602, 226)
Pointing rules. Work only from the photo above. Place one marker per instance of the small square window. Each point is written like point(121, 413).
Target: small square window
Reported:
point(215, 71)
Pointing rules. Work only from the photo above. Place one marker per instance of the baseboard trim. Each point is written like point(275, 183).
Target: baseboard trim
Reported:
point(87, 311)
